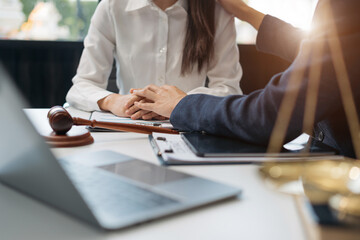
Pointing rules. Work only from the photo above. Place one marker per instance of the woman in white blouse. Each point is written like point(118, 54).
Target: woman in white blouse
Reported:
point(173, 42)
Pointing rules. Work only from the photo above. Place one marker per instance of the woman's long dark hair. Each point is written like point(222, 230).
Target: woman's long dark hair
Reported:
point(200, 34)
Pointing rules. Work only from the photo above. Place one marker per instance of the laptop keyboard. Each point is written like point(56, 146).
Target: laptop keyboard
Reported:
point(109, 194)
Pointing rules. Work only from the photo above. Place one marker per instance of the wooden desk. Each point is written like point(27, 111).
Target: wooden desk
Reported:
point(260, 213)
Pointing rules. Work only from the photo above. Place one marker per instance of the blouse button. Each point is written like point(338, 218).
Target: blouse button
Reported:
point(163, 50)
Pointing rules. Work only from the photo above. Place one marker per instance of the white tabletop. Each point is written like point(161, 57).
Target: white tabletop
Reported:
point(260, 213)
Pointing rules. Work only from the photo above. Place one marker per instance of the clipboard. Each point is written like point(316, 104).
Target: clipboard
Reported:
point(173, 150)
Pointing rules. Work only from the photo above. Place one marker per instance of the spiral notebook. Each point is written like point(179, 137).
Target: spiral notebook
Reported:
point(109, 117)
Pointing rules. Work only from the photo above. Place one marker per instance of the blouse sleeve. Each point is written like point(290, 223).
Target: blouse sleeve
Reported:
point(90, 81)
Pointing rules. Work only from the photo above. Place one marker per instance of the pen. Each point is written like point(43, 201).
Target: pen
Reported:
point(149, 124)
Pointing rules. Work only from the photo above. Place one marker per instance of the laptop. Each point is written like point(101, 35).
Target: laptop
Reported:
point(121, 194)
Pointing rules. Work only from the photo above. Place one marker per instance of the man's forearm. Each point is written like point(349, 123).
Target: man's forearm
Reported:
point(250, 15)
point(243, 12)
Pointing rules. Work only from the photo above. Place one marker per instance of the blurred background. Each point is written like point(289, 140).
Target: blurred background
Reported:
point(45, 20)
point(70, 19)
point(41, 43)
point(296, 12)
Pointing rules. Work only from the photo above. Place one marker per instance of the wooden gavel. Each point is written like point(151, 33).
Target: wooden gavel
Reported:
point(61, 122)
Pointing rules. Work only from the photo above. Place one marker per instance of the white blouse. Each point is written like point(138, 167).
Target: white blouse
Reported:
point(147, 44)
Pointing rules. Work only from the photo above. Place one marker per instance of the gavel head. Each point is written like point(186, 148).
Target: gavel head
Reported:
point(60, 120)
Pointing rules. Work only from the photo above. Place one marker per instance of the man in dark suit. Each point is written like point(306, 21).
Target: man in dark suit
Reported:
point(324, 76)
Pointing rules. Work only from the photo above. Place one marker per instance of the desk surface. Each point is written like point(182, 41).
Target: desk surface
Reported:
point(259, 214)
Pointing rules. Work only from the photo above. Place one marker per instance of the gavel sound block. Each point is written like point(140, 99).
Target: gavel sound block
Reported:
point(64, 136)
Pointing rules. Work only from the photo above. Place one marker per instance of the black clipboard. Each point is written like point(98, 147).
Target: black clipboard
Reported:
point(205, 145)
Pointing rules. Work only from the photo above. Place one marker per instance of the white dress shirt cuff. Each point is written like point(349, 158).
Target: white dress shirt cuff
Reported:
point(96, 97)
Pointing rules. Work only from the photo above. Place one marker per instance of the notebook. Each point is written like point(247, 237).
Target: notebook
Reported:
point(109, 117)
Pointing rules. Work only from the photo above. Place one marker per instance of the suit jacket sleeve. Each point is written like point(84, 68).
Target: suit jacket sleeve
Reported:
point(252, 117)
point(279, 38)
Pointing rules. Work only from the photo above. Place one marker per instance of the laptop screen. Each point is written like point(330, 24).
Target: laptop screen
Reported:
point(18, 137)
point(26, 162)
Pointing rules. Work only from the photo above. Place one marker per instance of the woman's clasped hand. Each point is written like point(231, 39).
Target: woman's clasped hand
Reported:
point(156, 102)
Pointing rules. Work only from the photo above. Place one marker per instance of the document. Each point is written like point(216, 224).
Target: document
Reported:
point(109, 117)
point(173, 150)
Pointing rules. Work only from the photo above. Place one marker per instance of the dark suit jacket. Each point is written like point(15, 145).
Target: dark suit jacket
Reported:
point(252, 117)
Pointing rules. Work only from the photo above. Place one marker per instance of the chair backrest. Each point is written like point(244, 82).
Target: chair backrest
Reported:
point(258, 68)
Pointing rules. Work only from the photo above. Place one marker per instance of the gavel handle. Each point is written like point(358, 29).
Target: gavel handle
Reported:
point(137, 128)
